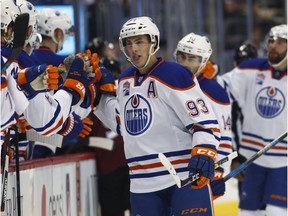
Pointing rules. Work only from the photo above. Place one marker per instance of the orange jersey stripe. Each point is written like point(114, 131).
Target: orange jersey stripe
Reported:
point(224, 145)
point(158, 164)
point(262, 145)
point(60, 123)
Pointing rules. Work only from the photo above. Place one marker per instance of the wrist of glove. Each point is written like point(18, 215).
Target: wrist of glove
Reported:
point(72, 127)
point(76, 81)
point(218, 183)
point(202, 162)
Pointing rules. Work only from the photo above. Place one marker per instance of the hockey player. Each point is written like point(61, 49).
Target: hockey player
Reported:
point(54, 26)
point(260, 88)
point(193, 52)
point(244, 52)
point(162, 109)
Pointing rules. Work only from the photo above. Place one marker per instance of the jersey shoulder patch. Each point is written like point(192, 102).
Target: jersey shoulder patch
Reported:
point(129, 72)
point(255, 63)
point(173, 75)
point(214, 90)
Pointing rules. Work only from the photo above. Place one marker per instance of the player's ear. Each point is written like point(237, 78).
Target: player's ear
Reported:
point(58, 34)
point(29, 32)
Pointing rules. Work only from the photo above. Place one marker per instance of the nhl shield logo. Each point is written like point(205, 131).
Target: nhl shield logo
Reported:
point(270, 102)
point(137, 115)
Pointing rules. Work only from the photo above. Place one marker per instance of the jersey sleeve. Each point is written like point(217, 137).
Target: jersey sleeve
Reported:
point(52, 111)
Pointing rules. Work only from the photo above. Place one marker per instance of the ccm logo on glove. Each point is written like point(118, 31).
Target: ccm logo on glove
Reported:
point(205, 151)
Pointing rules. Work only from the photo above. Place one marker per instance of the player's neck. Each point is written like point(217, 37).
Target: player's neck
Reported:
point(50, 44)
point(152, 61)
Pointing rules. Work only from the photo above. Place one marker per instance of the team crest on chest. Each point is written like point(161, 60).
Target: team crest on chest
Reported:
point(270, 102)
point(137, 115)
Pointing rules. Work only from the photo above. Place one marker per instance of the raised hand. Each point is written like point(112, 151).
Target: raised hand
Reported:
point(77, 81)
point(36, 78)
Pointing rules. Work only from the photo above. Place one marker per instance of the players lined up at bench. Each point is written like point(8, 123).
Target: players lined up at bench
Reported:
point(182, 109)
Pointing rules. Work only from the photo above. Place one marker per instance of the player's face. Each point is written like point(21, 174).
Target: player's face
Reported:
point(277, 48)
point(191, 62)
point(138, 49)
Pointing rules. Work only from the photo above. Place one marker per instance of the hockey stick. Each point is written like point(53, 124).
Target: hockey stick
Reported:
point(57, 140)
point(17, 172)
point(101, 142)
point(254, 157)
point(5, 166)
point(20, 29)
point(181, 183)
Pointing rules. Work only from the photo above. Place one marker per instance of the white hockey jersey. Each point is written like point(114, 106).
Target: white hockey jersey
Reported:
point(13, 101)
point(164, 111)
point(45, 113)
point(261, 93)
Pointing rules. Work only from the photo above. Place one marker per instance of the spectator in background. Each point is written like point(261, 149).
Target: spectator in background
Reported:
point(103, 48)
point(235, 23)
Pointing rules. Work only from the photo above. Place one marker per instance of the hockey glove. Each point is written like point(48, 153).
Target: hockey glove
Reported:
point(37, 78)
point(21, 124)
point(76, 81)
point(90, 95)
point(210, 70)
point(87, 123)
point(26, 76)
point(91, 62)
point(202, 162)
point(51, 78)
point(218, 183)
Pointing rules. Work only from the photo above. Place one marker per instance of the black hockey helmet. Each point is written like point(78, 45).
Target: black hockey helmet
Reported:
point(112, 65)
point(244, 52)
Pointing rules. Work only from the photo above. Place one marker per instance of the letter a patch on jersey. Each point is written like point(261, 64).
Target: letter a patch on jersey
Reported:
point(152, 91)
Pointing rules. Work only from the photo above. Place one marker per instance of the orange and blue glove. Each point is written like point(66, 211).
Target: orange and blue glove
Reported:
point(218, 183)
point(37, 78)
point(87, 127)
point(202, 162)
point(77, 81)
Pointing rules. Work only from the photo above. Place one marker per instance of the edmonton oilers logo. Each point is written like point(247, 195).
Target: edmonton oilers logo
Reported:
point(270, 102)
point(138, 115)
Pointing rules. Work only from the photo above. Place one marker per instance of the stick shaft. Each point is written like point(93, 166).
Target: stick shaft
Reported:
point(254, 157)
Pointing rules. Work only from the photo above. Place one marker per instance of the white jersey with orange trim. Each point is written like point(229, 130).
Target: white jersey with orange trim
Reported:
point(45, 113)
point(261, 93)
point(221, 106)
point(164, 111)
